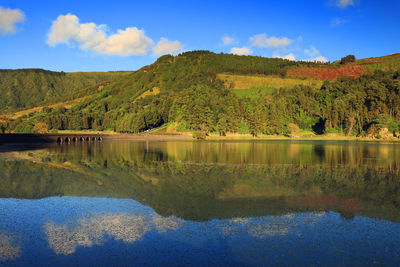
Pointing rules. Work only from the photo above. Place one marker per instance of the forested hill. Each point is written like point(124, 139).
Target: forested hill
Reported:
point(27, 87)
point(199, 91)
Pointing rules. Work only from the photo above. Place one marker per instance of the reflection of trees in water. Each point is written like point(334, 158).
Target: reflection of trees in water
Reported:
point(132, 153)
point(201, 180)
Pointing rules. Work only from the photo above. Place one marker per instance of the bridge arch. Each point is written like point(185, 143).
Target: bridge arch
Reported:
point(67, 139)
point(82, 139)
point(74, 139)
point(59, 139)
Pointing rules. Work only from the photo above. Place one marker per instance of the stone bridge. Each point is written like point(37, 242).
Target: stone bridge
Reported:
point(51, 138)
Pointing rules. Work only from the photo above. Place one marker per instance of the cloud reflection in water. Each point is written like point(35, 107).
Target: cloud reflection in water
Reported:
point(64, 239)
point(8, 250)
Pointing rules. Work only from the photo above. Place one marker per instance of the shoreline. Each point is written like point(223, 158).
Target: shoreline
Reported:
point(286, 138)
point(112, 136)
point(85, 137)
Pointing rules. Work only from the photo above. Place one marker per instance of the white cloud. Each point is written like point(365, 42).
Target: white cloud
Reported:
point(227, 40)
point(241, 51)
point(288, 57)
point(261, 40)
point(335, 22)
point(318, 59)
point(129, 42)
point(314, 55)
point(342, 3)
point(311, 52)
point(8, 20)
point(164, 46)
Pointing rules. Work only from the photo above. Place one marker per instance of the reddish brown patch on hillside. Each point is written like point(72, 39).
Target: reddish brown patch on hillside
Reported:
point(368, 63)
point(327, 73)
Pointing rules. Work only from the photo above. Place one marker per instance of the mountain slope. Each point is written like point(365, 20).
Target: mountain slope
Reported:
point(352, 69)
point(190, 93)
point(28, 87)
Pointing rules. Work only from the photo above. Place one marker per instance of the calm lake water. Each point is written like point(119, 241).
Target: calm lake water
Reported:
point(201, 203)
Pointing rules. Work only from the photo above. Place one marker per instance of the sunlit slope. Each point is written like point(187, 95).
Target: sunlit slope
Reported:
point(176, 73)
point(251, 85)
point(171, 73)
point(67, 104)
point(199, 89)
point(352, 69)
point(31, 87)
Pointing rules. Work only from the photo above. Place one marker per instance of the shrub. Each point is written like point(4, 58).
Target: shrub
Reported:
point(41, 128)
point(293, 128)
point(182, 127)
point(199, 135)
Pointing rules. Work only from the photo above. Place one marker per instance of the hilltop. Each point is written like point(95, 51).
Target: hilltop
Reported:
point(204, 92)
point(353, 69)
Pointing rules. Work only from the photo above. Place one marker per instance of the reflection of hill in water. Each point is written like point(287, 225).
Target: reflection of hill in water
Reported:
point(200, 181)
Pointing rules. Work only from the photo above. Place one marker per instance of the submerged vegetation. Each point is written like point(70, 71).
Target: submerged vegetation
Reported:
point(195, 91)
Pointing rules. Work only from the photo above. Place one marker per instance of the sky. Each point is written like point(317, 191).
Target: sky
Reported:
point(126, 35)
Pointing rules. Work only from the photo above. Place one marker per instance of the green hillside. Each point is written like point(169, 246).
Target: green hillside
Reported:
point(194, 92)
point(28, 87)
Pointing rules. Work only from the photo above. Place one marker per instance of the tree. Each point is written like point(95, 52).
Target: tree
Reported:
point(3, 126)
point(41, 128)
point(222, 126)
point(348, 58)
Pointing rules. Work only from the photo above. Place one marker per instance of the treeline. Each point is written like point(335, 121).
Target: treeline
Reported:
point(350, 106)
point(28, 87)
point(193, 99)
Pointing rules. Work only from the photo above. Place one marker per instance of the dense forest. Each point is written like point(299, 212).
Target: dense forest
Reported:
point(27, 87)
point(184, 91)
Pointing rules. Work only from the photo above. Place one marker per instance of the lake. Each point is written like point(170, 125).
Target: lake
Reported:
point(178, 203)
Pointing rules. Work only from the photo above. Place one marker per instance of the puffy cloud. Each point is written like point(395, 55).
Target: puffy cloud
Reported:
point(9, 18)
point(314, 55)
point(241, 51)
point(261, 40)
point(129, 42)
point(318, 59)
point(164, 46)
point(342, 3)
point(227, 40)
point(288, 57)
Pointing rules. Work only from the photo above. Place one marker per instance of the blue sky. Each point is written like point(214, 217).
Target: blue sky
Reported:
point(126, 35)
